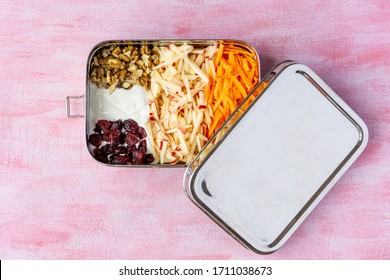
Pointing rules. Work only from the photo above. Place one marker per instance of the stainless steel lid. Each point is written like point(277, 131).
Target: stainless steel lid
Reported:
point(278, 160)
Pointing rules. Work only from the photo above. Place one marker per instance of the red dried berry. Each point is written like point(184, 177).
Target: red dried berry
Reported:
point(102, 158)
point(138, 157)
point(149, 158)
point(106, 149)
point(142, 146)
point(106, 137)
point(117, 125)
point(99, 156)
point(122, 138)
point(131, 139)
point(95, 139)
point(104, 126)
point(120, 150)
point(130, 126)
point(115, 151)
point(130, 149)
point(141, 132)
point(114, 137)
point(118, 159)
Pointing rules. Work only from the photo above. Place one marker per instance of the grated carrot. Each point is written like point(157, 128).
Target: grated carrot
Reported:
point(219, 54)
point(236, 73)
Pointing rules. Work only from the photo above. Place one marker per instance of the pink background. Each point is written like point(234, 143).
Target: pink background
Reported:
point(56, 202)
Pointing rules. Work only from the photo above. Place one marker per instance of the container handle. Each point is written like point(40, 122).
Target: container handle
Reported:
point(67, 107)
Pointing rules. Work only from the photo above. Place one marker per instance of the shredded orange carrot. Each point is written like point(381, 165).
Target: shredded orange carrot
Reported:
point(213, 126)
point(256, 93)
point(237, 73)
point(228, 68)
point(219, 54)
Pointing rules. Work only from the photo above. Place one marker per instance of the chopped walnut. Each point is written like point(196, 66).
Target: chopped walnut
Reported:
point(123, 66)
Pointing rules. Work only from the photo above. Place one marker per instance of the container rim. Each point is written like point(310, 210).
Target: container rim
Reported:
point(196, 165)
point(159, 42)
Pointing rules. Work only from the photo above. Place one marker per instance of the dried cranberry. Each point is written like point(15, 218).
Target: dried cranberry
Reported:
point(130, 126)
point(118, 159)
point(104, 125)
point(131, 139)
point(102, 158)
point(120, 150)
point(149, 158)
point(106, 137)
point(114, 137)
point(131, 149)
point(95, 139)
point(99, 156)
point(112, 156)
point(142, 145)
point(106, 149)
point(142, 132)
point(138, 157)
point(117, 125)
point(122, 138)
point(124, 145)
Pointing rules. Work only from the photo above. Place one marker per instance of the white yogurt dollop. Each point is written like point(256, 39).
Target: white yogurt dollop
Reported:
point(121, 104)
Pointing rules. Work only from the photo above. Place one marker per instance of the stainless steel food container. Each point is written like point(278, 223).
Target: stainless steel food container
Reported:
point(277, 160)
point(87, 96)
point(273, 161)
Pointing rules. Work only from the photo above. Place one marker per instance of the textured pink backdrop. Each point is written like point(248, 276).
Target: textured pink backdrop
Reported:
point(57, 203)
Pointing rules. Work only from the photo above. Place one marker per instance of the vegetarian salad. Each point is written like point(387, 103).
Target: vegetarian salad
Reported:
point(161, 104)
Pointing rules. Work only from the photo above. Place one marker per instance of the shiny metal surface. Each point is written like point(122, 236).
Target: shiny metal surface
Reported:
point(67, 107)
point(208, 182)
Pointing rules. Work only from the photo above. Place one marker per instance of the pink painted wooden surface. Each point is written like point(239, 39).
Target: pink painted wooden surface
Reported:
point(57, 203)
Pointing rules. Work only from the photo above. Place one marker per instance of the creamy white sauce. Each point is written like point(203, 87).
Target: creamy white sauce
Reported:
point(121, 104)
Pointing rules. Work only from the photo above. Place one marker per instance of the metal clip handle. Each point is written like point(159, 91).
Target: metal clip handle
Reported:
point(67, 107)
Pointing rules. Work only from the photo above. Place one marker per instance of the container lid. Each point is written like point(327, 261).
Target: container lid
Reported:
point(278, 160)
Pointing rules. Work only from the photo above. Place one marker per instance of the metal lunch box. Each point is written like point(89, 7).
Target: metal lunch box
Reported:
point(89, 110)
point(277, 160)
point(273, 162)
